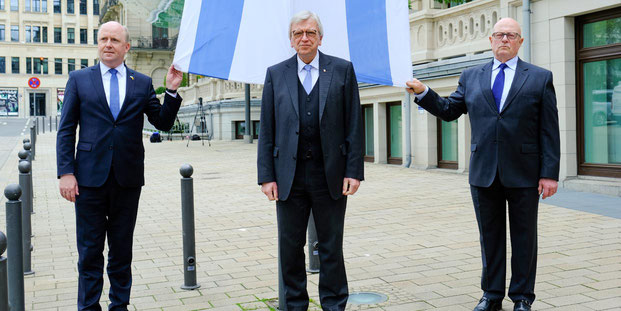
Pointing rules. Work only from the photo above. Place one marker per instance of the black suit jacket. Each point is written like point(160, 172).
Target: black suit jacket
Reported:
point(522, 141)
point(340, 124)
point(104, 142)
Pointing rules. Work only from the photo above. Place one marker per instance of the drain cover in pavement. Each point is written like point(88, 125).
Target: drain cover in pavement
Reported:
point(366, 298)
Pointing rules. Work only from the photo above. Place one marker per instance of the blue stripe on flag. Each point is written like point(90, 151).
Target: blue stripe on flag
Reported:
point(368, 40)
point(216, 37)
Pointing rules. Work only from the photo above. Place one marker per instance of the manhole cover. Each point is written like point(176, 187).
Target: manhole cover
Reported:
point(366, 298)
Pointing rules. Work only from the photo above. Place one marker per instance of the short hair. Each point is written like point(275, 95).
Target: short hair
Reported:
point(124, 29)
point(302, 16)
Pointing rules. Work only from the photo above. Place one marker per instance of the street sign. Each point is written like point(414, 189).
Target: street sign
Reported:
point(34, 82)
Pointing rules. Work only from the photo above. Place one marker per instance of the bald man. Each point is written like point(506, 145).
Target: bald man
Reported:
point(105, 176)
point(515, 152)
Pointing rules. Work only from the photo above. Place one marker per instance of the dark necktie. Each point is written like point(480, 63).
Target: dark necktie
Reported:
point(499, 84)
point(115, 106)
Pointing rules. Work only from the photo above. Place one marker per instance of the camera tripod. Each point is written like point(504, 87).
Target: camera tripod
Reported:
point(203, 124)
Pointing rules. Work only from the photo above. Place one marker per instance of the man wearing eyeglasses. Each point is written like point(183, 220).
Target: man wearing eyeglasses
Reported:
point(310, 158)
point(515, 151)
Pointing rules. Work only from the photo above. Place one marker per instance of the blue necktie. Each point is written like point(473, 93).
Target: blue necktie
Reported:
point(499, 84)
point(308, 80)
point(115, 107)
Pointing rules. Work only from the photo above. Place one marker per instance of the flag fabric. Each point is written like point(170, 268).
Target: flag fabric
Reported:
point(238, 39)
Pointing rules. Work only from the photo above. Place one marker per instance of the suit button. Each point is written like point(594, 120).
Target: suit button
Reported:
point(110, 148)
point(307, 99)
point(294, 158)
point(297, 133)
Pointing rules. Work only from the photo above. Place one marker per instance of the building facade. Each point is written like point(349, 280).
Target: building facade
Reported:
point(41, 41)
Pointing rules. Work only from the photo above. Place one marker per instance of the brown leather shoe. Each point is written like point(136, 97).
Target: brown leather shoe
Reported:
point(486, 304)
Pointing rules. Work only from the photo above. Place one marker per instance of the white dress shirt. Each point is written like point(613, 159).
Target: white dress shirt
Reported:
point(509, 74)
point(121, 76)
point(314, 70)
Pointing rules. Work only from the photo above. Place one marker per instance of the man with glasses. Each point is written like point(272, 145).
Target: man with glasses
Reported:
point(515, 152)
point(310, 158)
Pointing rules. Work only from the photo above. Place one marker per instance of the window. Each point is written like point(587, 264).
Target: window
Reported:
point(36, 34)
point(58, 66)
point(598, 57)
point(15, 65)
point(44, 6)
point(1, 30)
point(28, 34)
point(393, 132)
point(15, 33)
point(83, 36)
point(95, 32)
point(2, 64)
point(27, 4)
point(369, 144)
point(83, 7)
point(14, 5)
point(58, 35)
point(83, 63)
point(95, 7)
point(70, 35)
point(28, 65)
point(42, 61)
point(70, 7)
point(56, 6)
point(1, 5)
point(70, 65)
point(44, 34)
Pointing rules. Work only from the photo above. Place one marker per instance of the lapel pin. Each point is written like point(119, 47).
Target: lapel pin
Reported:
point(324, 70)
point(131, 77)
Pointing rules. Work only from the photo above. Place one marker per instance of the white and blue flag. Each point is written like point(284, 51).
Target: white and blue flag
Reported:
point(238, 39)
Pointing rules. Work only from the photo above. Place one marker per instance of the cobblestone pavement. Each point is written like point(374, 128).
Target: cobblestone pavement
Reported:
point(409, 234)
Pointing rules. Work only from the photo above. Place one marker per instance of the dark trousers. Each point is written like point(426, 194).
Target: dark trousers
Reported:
point(490, 208)
point(107, 211)
point(310, 194)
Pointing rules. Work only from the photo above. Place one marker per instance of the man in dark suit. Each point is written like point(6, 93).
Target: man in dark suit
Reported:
point(515, 151)
point(310, 158)
point(108, 101)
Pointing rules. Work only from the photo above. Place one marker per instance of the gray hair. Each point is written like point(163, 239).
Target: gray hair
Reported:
point(114, 22)
point(305, 15)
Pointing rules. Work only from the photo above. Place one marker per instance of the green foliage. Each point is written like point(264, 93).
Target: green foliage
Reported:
point(160, 90)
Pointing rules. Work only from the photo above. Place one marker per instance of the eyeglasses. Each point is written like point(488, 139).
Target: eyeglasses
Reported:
point(298, 34)
point(510, 35)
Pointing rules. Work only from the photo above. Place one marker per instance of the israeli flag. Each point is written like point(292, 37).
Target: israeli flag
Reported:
point(238, 39)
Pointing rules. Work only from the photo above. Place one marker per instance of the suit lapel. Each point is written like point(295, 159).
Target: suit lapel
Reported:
point(518, 81)
point(486, 85)
point(291, 78)
point(99, 89)
point(129, 88)
point(325, 77)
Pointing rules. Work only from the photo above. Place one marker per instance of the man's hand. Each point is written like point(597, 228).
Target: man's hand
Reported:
point(173, 78)
point(68, 187)
point(350, 186)
point(548, 187)
point(415, 86)
point(270, 189)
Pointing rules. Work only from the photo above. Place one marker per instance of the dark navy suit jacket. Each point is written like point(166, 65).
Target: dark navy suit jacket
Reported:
point(340, 124)
point(104, 142)
point(522, 141)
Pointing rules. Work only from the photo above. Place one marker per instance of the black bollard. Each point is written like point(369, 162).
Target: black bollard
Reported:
point(14, 250)
point(23, 156)
point(24, 182)
point(43, 124)
point(29, 159)
point(187, 219)
point(33, 138)
point(313, 246)
point(36, 122)
point(28, 147)
point(4, 284)
point(50, 124)
point(56, 122)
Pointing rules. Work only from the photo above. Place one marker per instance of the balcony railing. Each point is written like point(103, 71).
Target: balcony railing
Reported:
point(145, 42)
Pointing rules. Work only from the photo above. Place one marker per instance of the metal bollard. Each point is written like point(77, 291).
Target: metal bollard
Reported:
point(50, 124)
point(25, 182)
point(29, 159)
point(4, 284)
point(187, 219)
point(56, 123)
point(36, 123)
point(33, 137)
point(43, 124)
point(23, 155)
point(313, 246)
point(15, 260)
point(28, 147)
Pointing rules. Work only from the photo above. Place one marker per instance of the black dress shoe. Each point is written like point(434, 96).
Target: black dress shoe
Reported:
point(521, 305)
point(486, 304)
